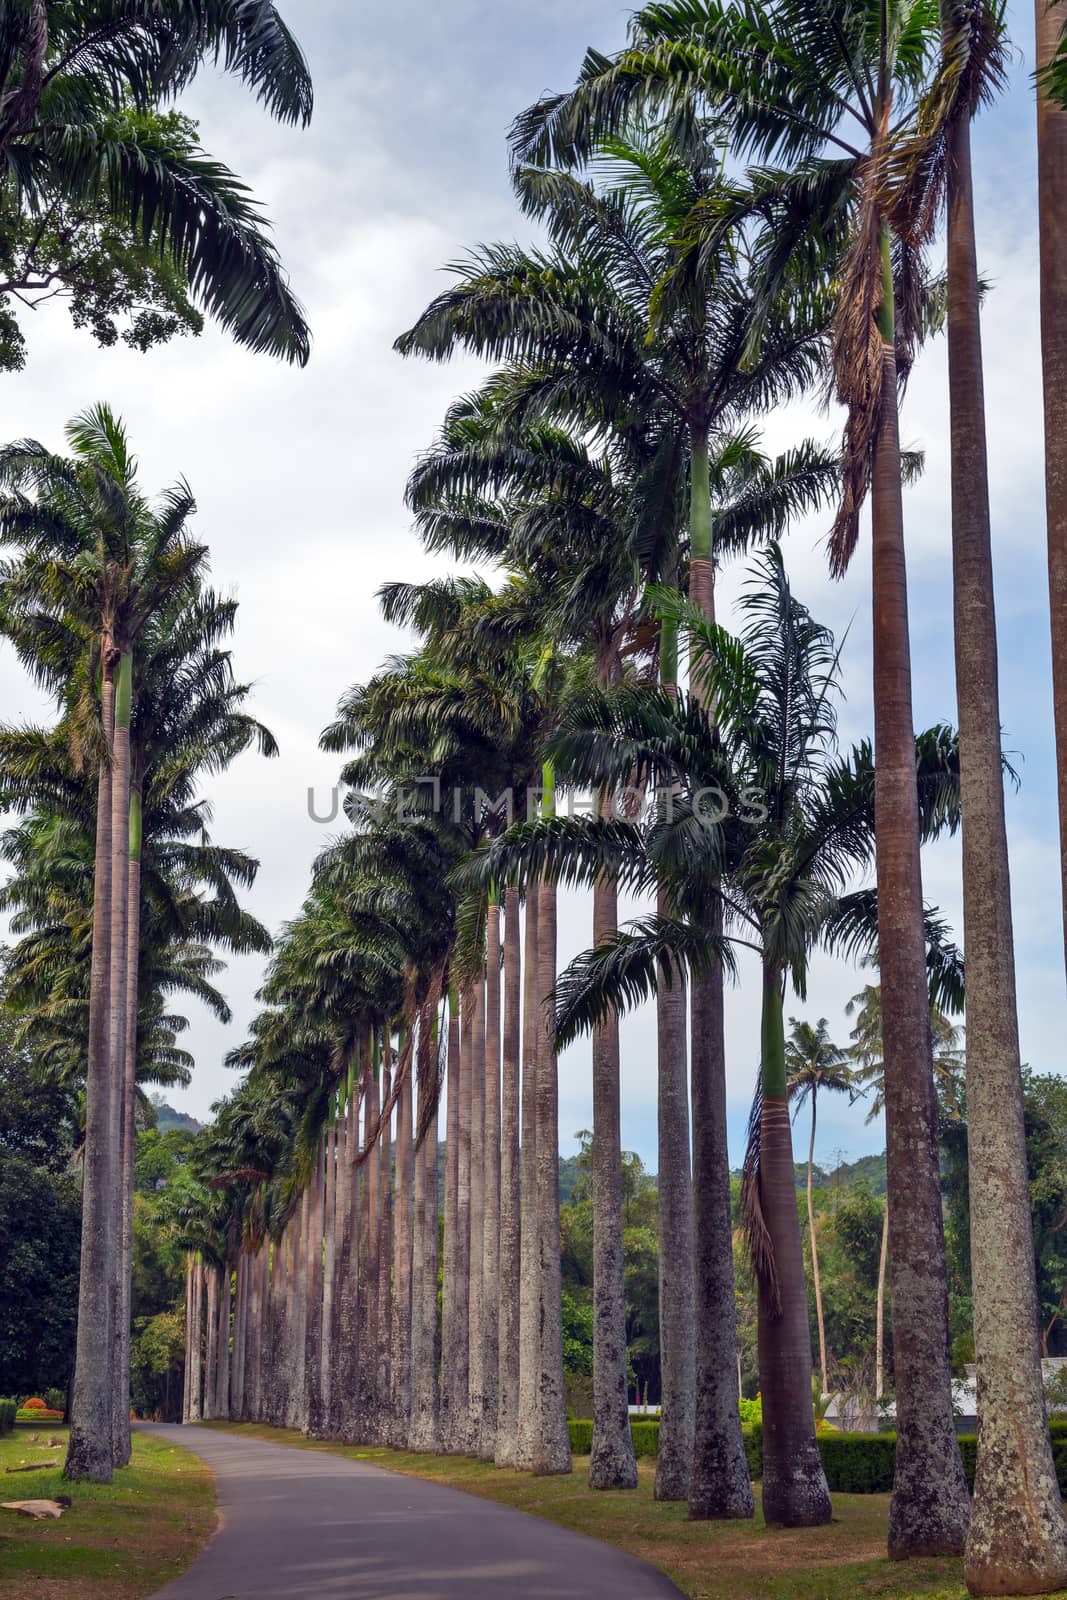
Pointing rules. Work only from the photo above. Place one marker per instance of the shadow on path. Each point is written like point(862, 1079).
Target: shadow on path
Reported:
point(300, 1524)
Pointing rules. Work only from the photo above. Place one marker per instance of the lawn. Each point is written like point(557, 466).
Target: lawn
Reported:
point(117, 1541)
point(709, 1561)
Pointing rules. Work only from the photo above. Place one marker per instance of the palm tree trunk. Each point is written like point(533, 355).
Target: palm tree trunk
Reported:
point(121, 1377)
point(211, 1350)
point(719, 1484)
point(930, 1506)
point(345, 1362)
point(815, 1249)
point(1017, 1540)
point(402, 1249)
point(879, 1324)
point(120, 890)
point(459, 1433)
point(329, 1268)
point(89, 1447)
point(491, 1199)
point(674, 1460)
point(1052, 215)
point(529, 1293)
point(313, 1312)
point(385, 1250)
point(298, 1406)
point(507, 1433)
point(194, 1354)
point(552, 1446)
point(612, 1464)
point(368, 1261)
point(187, 1368)
point(450, 1378)
point(425, 1404)
point(240, 1335)
point(475, 1293)
point(222, 1360)
point(795, 1494)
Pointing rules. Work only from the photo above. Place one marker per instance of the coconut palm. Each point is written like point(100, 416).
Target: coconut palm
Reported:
point(830, 91)
point(76, 81)
point(814, 1062)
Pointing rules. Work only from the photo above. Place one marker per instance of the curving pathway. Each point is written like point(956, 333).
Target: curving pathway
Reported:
point(296, 1524)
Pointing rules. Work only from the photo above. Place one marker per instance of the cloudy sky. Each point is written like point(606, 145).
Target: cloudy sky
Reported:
point(299, 475)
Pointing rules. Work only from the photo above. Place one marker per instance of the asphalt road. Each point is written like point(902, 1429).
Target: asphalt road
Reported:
point(297, 1524)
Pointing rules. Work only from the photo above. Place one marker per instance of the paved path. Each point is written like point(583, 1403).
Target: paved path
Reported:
point(303, 1524)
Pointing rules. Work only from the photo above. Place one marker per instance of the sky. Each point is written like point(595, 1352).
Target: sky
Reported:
point(299, 475)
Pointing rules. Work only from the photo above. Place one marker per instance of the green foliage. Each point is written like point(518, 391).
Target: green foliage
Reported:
point(854, 1463)
point(577, 1334)
point(157, 1354)
point(581, 1435)
point(40, 1246)
point(8, 1410)
point(751, 1411)
point(116, 285)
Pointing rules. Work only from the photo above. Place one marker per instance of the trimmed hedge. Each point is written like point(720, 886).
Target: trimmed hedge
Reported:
point(8, 1412)
point(854, 1463)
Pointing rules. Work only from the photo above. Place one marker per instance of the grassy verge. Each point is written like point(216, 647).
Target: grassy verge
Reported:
point(117, 1541)
point(708, 1561)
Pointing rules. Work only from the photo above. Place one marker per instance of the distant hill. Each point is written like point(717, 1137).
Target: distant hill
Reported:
point(167, 1118)
point(868, 1171)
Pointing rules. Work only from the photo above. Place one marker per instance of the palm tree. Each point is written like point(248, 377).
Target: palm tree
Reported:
point(1006, 1546)
point(76, 85)
point(814, 1062)
point(830, 90)
point(1050, 22)
point(97, 563)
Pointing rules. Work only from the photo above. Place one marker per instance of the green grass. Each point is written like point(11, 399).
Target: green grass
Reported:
point(708, 1561)
point(117, 1541)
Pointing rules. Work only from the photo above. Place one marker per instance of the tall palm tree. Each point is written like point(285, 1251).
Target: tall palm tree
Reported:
point(814, 1062)
point(829, 90)
point(96, 564)
point(1050, 24)
point(1008, 1546)
point(76, 82)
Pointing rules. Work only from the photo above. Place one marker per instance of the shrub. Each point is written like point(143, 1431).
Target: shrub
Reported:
point(581, 1437)
point(36, 1404)
point(8, 1413)
point(646, 1437)
point(32, 1414)
point(55, 1399)
point(858, 1463)
point(854, 1463)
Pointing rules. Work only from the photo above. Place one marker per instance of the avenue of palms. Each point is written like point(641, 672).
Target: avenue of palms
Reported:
point(743, 210)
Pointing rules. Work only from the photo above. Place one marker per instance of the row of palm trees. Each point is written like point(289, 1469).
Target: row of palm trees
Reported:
point(106, 604)
point(736, 207)
point(612, 450)
point(118, 892)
